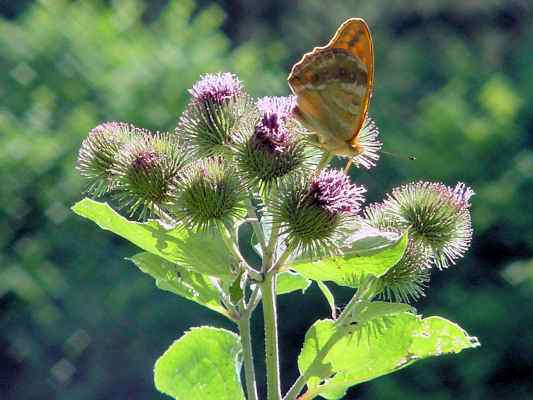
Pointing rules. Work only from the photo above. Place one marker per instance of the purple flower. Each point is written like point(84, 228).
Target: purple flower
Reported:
point(113, 128)
point(461, 195)
point(145, 160)
point(216, 88)
point(270, 132)
point(333, 191)
point(218, 106)
point(146, 170)
point(282, 106)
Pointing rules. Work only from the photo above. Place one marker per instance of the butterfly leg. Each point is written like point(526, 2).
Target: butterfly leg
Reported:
point(348, 165)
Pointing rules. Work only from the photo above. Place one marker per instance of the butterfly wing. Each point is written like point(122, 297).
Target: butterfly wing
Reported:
point(333, 86)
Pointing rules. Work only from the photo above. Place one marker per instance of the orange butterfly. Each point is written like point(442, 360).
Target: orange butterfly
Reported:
point(333, 85)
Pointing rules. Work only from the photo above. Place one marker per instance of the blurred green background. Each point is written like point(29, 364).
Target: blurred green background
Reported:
point(454, 84)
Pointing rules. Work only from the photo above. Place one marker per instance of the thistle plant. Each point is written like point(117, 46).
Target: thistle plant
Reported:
point(233, 161)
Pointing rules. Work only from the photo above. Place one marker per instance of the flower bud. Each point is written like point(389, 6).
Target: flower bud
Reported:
point(438, 217)
point(273, 148)
point(315, 211)
point(208, 195)
point(146, 171)
point(98, 153)
point(407, 280)
point(218, 104)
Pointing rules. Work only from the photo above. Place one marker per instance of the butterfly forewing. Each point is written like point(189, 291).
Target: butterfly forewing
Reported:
point(333, 85)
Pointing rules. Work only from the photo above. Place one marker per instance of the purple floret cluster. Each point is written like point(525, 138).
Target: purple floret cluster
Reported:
point(145, 160)
point(333, 191)
point(216, 88)
point(270, 132)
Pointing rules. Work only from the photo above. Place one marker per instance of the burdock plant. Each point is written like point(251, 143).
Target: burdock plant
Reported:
point(233, 163)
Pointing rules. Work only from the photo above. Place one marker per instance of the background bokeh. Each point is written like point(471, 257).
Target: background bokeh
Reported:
point(454, 86)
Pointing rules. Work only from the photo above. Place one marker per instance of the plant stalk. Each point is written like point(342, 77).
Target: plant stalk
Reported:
point(268, 288)
point(234, 249)
point(256, 226)
point(281, 260)
point(249, 371)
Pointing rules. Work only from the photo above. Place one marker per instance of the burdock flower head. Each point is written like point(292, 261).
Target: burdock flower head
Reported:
point(271, 132)
point(272, 149)
point(208, 195)
point(315, 211)
point(146, 171)
point(438, 218)
point(407, 280)
point(216, 89)
point(218, 104)
point(98, 154)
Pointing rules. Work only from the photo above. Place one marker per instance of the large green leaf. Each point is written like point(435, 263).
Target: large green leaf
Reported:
point(204, 364)
point(368, 240)
point(349, 269)
point(201, 252)
point(368, 310)
point(290, 281)
point(375, 348)
point(178, 280)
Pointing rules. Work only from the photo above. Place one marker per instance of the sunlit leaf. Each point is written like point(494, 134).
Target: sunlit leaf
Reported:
point(375, 348)
point(349, 269)
point(368, 240)
point(290, 281)
point(202, 252)
point(204, 364)
point(178, 280)
point(235, 290)
point(367, 310)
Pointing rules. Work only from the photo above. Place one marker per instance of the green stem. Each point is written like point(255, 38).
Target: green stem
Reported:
point(249, 371)
point(268, 288)
point(234, 249)
point(256, 226)
point(365, 291)
point(281, 260)
point(273, 240)
point(254, 300)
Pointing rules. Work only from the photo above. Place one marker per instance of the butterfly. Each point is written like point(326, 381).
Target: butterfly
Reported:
point(333, 86)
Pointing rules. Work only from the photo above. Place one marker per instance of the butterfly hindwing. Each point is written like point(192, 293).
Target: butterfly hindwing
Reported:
point(333, 86)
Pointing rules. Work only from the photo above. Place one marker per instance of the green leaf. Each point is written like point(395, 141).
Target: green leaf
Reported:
point(367, 240)
point(235, 290)
point(178, 280)
point(350, 269)
point(202, 252)
point(204, 364)
point(377, 347)
point(289, 281)
point(367, 310)
point(329, 297)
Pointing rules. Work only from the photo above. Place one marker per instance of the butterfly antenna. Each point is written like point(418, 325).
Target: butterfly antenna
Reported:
point(403, 157)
